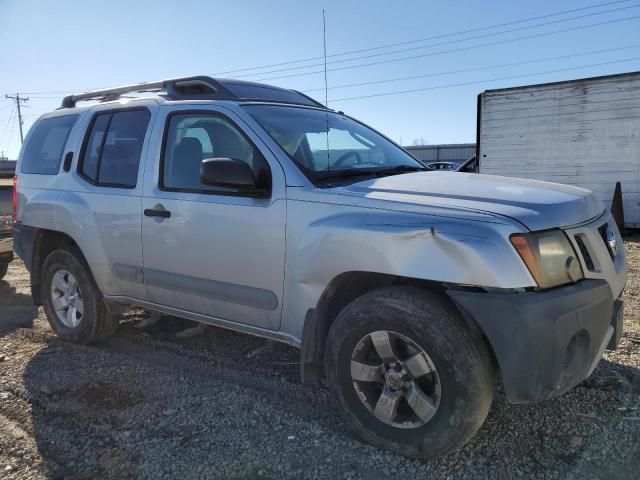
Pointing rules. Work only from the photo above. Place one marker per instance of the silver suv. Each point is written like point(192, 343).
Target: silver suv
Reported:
point(256, 208)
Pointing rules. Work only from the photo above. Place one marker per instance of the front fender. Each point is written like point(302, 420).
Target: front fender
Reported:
point(426, 247)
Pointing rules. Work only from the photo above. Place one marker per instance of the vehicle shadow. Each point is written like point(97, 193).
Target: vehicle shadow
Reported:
point(16, 309)
point(130, 408)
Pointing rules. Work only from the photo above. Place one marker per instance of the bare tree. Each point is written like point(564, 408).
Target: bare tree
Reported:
point(420, 141)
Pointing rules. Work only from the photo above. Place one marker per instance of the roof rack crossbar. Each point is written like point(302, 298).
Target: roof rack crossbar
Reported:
point(204, 87)
point(196, 88)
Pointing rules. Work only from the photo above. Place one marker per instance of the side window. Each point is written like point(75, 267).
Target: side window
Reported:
point(44, 149)
point(193, 137)
point(94, 146)
point(111, 154)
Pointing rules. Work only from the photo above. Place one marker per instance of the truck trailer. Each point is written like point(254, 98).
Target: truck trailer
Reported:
point(583, 132)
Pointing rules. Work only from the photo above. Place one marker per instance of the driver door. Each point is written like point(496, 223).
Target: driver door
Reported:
point(216, 252)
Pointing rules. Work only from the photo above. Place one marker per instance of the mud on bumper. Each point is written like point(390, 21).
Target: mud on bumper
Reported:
point(546, 342)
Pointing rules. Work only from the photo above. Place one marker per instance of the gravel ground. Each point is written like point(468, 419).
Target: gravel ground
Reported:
point(148, 405)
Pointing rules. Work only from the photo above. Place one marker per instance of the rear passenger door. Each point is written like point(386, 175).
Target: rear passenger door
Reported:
point(217, 252)
point(109, 176)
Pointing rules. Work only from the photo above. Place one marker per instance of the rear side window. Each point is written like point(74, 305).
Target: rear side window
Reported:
point(112, 149)
point(43, 151)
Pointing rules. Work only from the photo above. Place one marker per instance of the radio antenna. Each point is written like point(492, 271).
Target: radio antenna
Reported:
point(326, 87)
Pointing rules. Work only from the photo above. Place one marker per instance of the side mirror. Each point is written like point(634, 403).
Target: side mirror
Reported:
point(228, 173)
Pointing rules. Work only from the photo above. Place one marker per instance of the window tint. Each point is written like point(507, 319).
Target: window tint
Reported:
point(320, 141)
point(94, 146)
point(112, 152)
point(122, 148)
point(193, 137)
point(43, 151)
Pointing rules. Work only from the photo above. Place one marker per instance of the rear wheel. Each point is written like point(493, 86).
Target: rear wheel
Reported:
point(408, 374)
point(72, 301)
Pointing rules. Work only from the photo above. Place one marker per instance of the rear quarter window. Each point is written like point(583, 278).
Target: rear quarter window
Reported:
point(111, 151)
point(45, 145)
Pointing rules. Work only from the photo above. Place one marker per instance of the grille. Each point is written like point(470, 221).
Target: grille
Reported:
point(586, 256)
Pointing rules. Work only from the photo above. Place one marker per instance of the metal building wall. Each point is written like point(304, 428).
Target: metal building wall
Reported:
point(583, 132)
point(453, 152)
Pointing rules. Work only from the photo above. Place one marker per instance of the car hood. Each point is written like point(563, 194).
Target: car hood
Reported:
point(537, 205)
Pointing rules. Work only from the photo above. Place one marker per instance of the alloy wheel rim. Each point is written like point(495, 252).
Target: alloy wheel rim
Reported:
point(66, 298)
point(395, 379)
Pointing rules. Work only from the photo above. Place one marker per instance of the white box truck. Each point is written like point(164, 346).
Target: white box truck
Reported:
point(583, 132)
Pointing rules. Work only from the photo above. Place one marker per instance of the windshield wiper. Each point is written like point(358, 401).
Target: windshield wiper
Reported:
point(400, 169)
point(344, 174)
point(349, 173)
point(381, 172)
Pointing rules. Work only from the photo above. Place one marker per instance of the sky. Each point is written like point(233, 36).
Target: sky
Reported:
point(453, 50)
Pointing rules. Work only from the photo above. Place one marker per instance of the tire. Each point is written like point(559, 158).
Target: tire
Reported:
point(4, 267)
point(458, 394)
point(93, 323)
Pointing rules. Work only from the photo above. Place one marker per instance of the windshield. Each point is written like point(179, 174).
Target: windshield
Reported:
point(349, 149)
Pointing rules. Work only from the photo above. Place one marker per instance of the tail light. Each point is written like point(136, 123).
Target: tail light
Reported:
point(15, 198)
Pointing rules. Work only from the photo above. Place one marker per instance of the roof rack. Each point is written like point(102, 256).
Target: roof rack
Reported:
point(176, 88)
point(198, 88)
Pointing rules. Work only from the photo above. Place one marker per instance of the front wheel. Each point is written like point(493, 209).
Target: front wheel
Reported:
point(72, 301)
point(408, 374)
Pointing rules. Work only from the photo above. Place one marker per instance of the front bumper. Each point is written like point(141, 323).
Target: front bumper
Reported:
point(546, 342)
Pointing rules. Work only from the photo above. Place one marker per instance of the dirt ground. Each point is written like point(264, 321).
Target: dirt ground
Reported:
point(148, 405)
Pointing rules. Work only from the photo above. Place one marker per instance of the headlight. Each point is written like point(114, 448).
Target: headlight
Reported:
point(549, 257)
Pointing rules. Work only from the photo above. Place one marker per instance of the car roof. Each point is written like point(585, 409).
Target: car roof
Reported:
point(200, 88)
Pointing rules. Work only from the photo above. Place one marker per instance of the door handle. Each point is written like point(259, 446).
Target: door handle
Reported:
point(149, 212)
point(67, 161)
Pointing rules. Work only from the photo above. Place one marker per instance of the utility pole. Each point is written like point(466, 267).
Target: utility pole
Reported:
point(18, 101)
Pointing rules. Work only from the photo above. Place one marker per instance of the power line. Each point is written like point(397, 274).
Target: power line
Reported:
point(466, 70)
point(448, 42)
point(435, 37)
point(19, 101)
point(398, 92)
point(41, 97)
point(437, 87)
point(460, 49)
point(400, 43)
point(6, 126)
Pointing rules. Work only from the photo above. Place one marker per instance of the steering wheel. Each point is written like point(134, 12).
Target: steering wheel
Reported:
point(343, 159)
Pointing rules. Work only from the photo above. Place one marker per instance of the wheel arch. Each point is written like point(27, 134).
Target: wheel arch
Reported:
point(45, 242)
point(344, 289)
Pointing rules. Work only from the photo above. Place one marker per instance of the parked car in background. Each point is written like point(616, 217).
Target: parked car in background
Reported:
point(408, 289)
point(6, 248)
point(442, 166)
point(6, 223)
point(470, 166)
